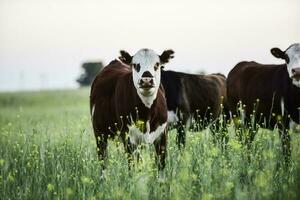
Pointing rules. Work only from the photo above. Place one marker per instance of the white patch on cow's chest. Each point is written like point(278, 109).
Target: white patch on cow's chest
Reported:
point(172, 117)
point(148, 100)
point(137, 137)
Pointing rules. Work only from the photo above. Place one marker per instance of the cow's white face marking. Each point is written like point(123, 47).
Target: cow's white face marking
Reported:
point(137, 137)
point(144, 61)
point(172, 117)
point(293, 53)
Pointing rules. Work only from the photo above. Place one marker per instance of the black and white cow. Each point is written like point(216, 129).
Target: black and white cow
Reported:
point(192, 96)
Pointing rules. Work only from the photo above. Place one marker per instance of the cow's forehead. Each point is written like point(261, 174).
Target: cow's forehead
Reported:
point(294, 49)
point(145, 57)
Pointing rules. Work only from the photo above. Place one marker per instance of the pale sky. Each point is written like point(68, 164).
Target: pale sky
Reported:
point(44, 42)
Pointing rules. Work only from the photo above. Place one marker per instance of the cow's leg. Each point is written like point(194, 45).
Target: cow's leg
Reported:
point(215, 127)
point(129, 149)
point(252, 130)
point(285, 142)
point(161, 150)
point(238, 117)
point(218, 127)
point(181, 129)
point(242, 131)
point(224, 131)
point(219, 132)
point(248, 132)
point(180, 134)
point(214, 131)
point(225, 119)
point(101, 141)
point(238, 129)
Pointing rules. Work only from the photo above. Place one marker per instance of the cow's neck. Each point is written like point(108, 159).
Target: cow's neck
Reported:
point(148, 100)
point(144, 114)
point(144, 105)
point(294, 103)
point(293, 99)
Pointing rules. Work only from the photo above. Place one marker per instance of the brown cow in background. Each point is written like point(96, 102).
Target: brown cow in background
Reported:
point(270, 93)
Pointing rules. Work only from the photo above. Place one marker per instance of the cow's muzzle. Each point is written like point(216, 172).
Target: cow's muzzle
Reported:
point(146, 83)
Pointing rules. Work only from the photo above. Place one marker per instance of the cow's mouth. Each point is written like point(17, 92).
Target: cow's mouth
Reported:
point(147, 86)
point(146, 90)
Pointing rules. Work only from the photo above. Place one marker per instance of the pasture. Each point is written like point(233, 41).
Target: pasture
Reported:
point(48, 151)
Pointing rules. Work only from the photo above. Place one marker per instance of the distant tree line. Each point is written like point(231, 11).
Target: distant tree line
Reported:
point(90, 70)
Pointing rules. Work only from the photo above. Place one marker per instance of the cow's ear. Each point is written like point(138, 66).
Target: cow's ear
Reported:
point(166, 56)
point(278, 53)
point(125, 57)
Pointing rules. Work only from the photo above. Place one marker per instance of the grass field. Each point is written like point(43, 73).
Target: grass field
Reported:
point(48, 151)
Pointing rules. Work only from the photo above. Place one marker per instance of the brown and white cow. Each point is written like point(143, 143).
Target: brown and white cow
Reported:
point(197, 97)
point(270, 93)
point(126, 92)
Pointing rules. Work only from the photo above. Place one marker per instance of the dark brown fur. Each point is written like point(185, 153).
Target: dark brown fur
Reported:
point(249, 81)
point(115, 99)
point(203, 92)
point(197, 96)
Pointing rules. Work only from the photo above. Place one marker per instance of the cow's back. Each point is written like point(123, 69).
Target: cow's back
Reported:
point(172, 86)
point(260, 87)
point(105, 82)
point(102, 97)
point(203, 91)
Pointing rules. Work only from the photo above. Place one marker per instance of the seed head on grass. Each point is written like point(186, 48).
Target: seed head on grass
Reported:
point(2, 162)
point(50, 187)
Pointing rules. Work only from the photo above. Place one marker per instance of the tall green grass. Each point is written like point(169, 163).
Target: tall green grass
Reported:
point(48, 151)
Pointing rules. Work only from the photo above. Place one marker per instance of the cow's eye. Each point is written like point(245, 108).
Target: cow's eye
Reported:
point(156, 66)
point(137, 67)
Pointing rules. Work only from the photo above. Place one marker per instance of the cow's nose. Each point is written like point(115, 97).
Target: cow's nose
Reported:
point(146, 81)
point(147, 74)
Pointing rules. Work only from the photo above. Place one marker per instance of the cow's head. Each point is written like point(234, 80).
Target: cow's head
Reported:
point(292, 58)
point(146, 67)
